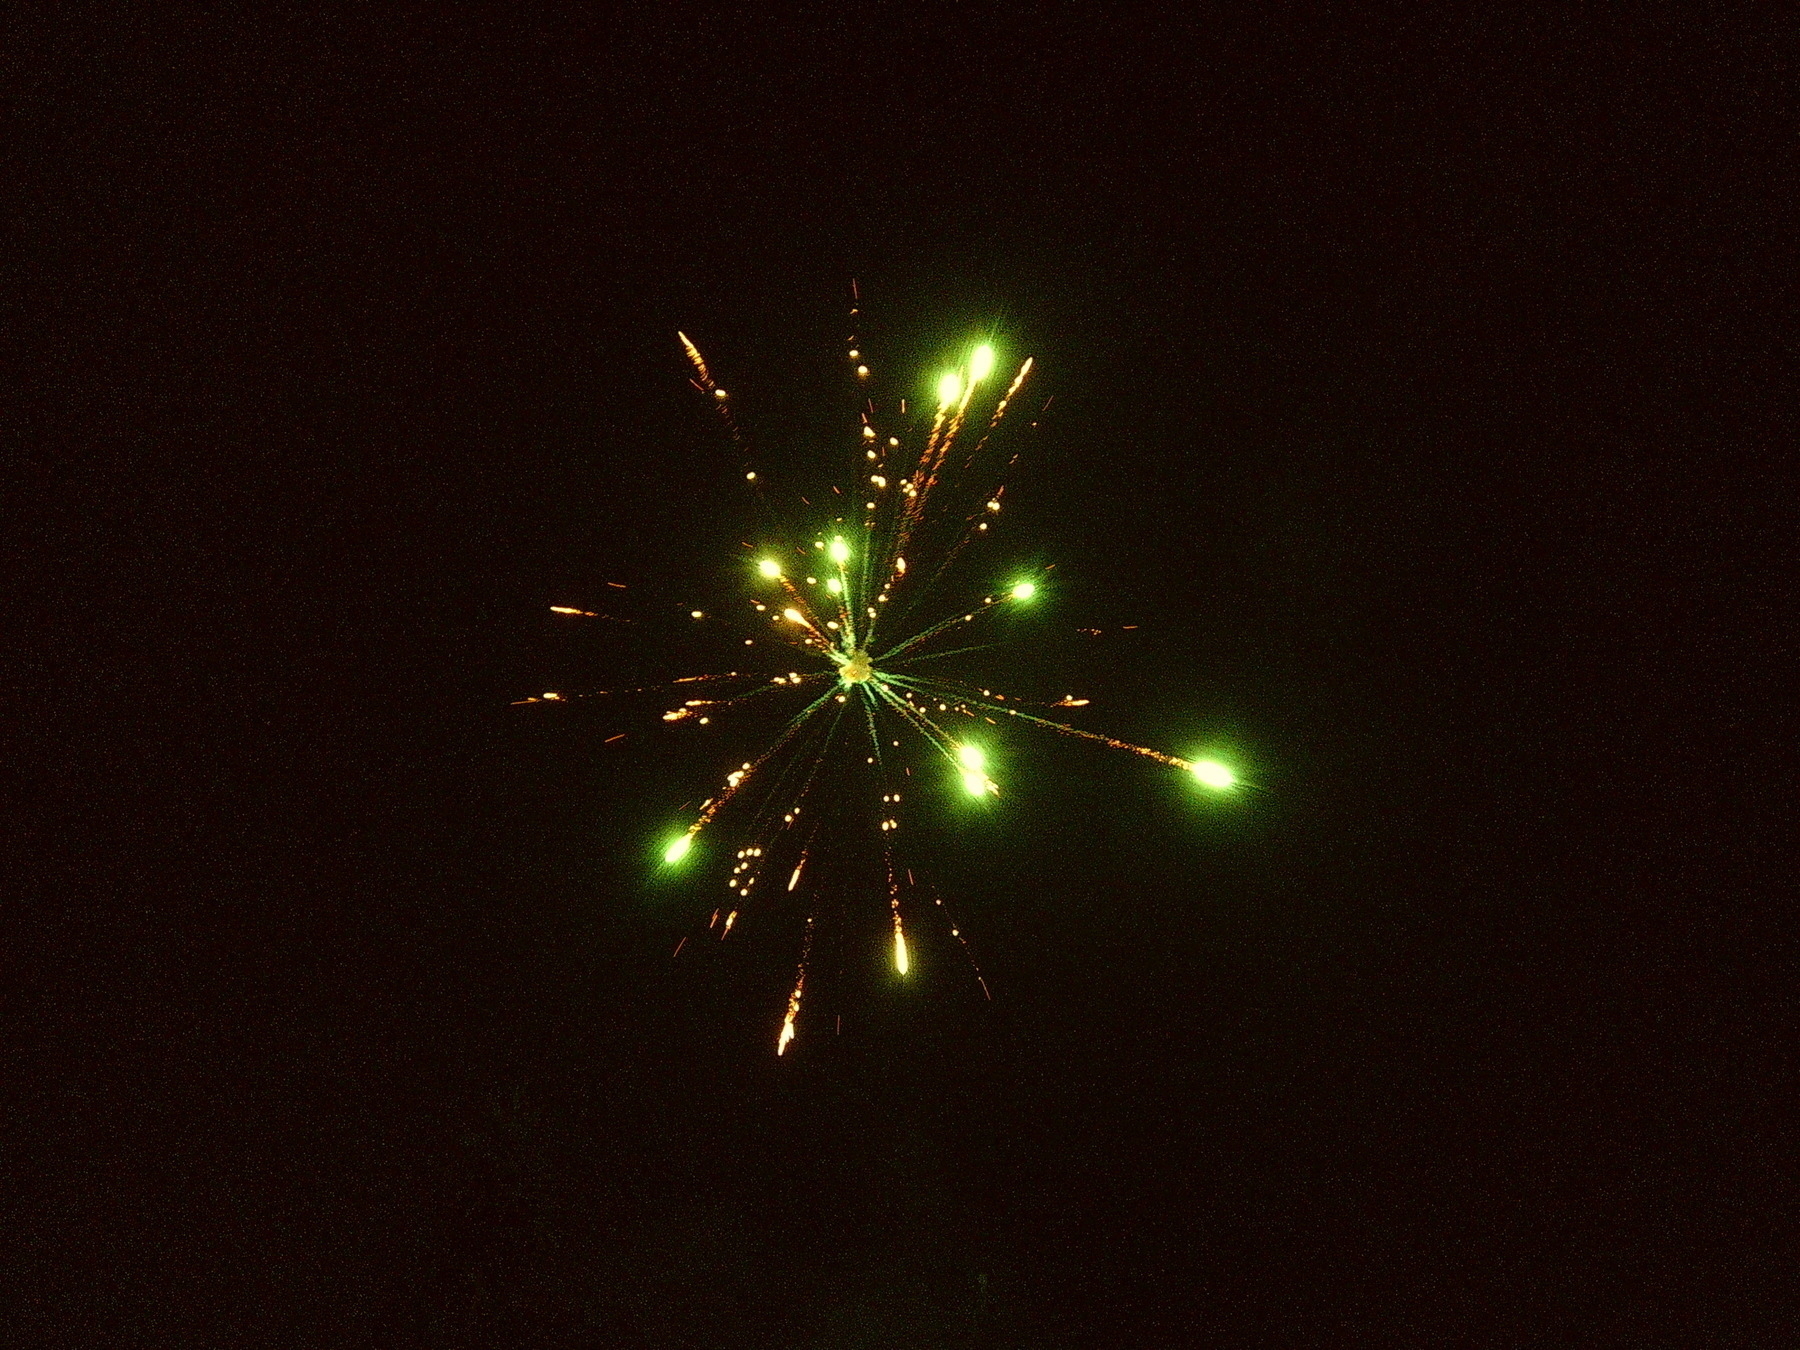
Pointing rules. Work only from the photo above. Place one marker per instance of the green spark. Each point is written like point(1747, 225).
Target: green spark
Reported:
point(1213, 774)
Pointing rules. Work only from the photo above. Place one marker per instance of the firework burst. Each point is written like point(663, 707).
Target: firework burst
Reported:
point(846, 606)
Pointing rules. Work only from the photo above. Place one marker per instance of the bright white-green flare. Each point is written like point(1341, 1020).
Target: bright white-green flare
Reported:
point(981, 362)
point(949, 387)
point(1024, 590)
point(1213, 774)
point(769, 568)
point(678, 848)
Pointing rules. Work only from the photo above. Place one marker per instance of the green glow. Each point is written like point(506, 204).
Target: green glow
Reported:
point(840, 551)
point(981, 362)
point(971, 757)
point(833, 585)
point(949, 387)
point(769, 568)
point(975, 782)
point(678, 849)
point(1213, 774)
point(1024, 590)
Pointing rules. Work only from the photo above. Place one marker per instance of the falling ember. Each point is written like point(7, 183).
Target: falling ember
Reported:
point(849, 632)
point(793, 1006)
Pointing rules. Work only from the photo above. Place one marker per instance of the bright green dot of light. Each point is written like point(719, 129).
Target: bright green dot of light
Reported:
point(975, 783)
point(840, 551)
point(769, 568)
point(1024, 590)
point(949, 387)
point(1213, 774)
point(678, 848)
point(981, 362)
point(971, 756)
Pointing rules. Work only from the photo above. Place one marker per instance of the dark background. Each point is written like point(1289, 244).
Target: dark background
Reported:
point(1411, 394)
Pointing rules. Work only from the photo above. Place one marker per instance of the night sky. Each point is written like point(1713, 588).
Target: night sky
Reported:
point(1410, 397)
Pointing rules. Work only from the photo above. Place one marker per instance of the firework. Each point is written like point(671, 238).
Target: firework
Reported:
point(847, 607)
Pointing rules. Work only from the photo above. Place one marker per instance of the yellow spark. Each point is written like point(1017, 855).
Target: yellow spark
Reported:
point(693, 355)
point(720, 393)
point(769, 568)
point(900, 962)
point(1213, 774)
point(981, 362)
point(949, 388)
point(565, 609)
point(697, 614)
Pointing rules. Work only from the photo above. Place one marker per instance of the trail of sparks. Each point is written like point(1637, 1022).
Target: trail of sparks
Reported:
point(839, 599)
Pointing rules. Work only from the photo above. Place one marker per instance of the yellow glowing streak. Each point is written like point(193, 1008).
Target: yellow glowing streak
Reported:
point(900, 961)
point(840, 551)
point(678, 849)
point(792, 616)
point(1024, 590)
point(769, 568)
point(787, 1035)
point(1213, 774)
point(949, 388)
point(981, 362)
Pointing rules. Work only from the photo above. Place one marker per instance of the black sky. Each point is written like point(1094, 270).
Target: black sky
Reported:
point(1413, 395)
